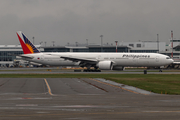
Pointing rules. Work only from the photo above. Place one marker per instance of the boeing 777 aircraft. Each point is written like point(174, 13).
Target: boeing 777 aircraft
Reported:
point(101, 61)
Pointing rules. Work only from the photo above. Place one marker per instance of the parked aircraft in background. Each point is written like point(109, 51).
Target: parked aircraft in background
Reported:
point(99, 60)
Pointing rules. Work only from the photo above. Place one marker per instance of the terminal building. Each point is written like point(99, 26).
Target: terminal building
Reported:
point(88, 48)
point(141, 46)
point(9, 53)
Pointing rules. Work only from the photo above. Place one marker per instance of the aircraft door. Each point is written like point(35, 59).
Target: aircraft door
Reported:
point(102, 57)
point(42, 57)
point(99, 57)
point(157, 58)
point(134, 61)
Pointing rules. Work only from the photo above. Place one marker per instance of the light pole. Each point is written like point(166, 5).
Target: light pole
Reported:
point(40, 42)
point(116, 45)
point(87, 41)
point(158, 42)
point(172, 43)
point(53, 43)
point(33, 39)
point(45, 44)
point(101, 42)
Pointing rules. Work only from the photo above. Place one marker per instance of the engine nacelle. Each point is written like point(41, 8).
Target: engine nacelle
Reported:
point(118, 68)
point(105, 65)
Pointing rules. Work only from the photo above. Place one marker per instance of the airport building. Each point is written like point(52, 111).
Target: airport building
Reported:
point(9, 53)
point(88, 48)
point(141, 46)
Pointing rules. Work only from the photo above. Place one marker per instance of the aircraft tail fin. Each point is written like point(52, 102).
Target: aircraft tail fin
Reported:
point(27, 46)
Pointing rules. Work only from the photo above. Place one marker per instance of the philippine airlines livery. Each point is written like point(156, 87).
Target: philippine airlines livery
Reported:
point(100, 61)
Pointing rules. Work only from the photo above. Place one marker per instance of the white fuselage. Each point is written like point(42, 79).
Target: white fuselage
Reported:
point(118, 59)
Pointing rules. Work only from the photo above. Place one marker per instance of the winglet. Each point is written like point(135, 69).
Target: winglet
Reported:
point(27, 46)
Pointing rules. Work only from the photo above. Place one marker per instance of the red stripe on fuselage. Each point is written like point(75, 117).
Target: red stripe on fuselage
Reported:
point(24, 47)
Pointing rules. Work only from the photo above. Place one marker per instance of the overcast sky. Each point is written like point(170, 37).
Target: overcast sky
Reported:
point(73, 21)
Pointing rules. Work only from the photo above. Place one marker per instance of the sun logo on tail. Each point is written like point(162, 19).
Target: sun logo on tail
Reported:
point(30, 48)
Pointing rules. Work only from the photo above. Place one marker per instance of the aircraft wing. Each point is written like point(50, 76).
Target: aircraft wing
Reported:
point(77, 59)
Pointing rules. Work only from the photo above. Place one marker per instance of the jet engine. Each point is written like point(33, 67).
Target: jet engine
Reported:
point(105, 65)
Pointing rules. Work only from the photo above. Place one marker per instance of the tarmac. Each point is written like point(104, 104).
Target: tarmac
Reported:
point(82, 99)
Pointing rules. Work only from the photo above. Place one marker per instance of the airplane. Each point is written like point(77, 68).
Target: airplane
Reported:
point(99, 61)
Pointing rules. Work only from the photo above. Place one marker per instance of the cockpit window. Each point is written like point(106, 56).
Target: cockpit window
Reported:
point(167, 57)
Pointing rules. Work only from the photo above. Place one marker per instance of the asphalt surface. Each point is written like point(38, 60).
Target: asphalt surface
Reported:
point(80, 99)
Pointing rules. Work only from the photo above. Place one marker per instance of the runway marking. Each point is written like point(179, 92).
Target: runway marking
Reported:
point(49, 89)
point(95, 86)
point(116, 86)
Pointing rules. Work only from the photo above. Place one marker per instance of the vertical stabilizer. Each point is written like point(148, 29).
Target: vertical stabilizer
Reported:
point(27, 46)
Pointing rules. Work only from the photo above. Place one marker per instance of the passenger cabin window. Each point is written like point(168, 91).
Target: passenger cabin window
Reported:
point(167, 57)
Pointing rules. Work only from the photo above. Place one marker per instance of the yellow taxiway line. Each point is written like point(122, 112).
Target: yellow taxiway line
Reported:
point(49, 89)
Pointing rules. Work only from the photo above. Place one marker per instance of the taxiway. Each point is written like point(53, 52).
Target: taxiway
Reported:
point(82, 99)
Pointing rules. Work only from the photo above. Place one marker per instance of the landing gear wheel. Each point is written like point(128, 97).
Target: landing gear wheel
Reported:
point(91, 70)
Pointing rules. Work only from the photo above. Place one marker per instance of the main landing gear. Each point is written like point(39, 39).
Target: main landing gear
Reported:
point(91, 70)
